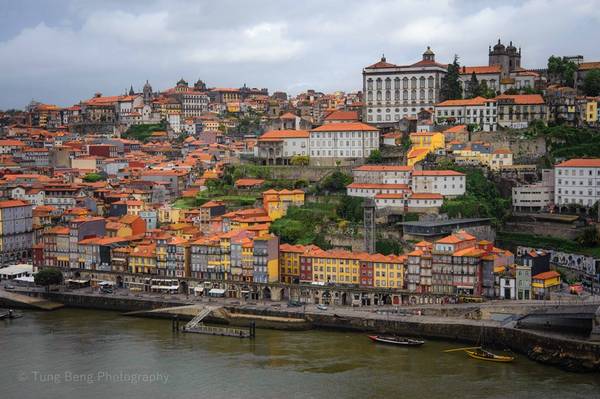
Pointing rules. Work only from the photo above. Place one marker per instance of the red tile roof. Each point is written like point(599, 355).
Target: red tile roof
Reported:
point(580, 163)
point(480, 70)
point(383, 168)
point(546, 275)
point(284, 134)
point(465, 102)
point(343, 127)
point(437, 173)
point(523, 98)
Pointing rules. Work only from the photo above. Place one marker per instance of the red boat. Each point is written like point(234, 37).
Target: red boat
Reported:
point(393, 340)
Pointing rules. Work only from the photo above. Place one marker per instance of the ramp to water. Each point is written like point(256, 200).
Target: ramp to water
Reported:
point(25, 301)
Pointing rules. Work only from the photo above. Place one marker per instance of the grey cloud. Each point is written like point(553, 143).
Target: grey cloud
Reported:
point(283, 45)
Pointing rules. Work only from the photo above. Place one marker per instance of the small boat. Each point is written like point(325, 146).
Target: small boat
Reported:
point(393, 340)
point(10, 315)
point(482, 354)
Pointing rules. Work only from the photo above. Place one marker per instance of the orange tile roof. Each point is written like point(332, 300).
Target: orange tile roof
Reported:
point(580, 163)
point(342, 115)
point(437, 173)
point(523, 98)
point(378, 186)
point(248, 182)
point(283, 134)
point(343, 127)
point(465, 102)
point(480, 69)
point(13, 203)
point(585, 66)
point(426, 196)
point(389, 196)
point(546, 275)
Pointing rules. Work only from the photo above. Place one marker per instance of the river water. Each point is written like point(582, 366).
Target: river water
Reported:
point(73, 353)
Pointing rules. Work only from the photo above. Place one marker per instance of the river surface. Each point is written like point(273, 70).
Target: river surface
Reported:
point(72, 353)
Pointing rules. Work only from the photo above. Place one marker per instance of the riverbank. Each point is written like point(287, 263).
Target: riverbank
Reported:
point(568, 353)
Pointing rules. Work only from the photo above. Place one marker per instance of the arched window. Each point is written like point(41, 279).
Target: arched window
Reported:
point(370, 84)
point(388, 95)
point(388, 83)
point(422, 94)
point(405, 83)
point(378, 96)
point(413, 93)
point(378, 83)
point(405, 94)
point(430, 82)
point(397, 83)
point(397, 94)
point(431, 95)
point(413, 83)
point(422, 82)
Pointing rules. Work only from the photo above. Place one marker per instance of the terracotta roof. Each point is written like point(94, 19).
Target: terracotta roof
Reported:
point(437, 173)
point(502, 151)
point(288, 115)
point(546, 275)
point(389, 196)
point(465, 102)
point(342, 115)
point(248, 182)
point(523, 98)
point(480, 70)
point(13, 203)
point(585, 66)
point(426, 196)
point(284, 134)
point(379, 186)
point(580, 163)
point(342, 127)
point(381, 64)
point(384, 168)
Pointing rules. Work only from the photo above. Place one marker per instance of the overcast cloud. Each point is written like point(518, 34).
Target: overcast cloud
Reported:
point(63, 51)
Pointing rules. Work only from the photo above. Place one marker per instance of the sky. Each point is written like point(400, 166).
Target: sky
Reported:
point(63, 51)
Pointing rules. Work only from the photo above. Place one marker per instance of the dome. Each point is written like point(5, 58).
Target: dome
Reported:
point(499, 46)
point(428, 51)
point(182, 82)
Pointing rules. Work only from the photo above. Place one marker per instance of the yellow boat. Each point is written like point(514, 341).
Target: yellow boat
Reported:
point(482, 354)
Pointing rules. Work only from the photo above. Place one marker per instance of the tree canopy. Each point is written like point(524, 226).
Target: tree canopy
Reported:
point(375, 157)
point(336, 182)
point(93, 177)
point(451, 88)
point(591, 83)
point(562, 69)
point(47, 277)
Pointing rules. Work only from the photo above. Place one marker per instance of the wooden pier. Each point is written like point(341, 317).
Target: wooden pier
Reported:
point(197, 326)
point(222, 331)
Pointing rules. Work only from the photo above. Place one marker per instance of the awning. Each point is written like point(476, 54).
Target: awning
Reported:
point(78, 281)
point(165, 287)
point(106, 283)
point(198, 289)
point(216, 291)
point(25, 279)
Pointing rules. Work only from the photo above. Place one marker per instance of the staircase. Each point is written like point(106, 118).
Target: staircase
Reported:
point(199, 317)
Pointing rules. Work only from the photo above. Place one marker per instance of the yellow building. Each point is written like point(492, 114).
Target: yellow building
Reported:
point(591, 110)
point(423, 143)
point(142, 259)
point(168, 214)
point(289, 262)
point(276, 203)
point(544, 283)
point(388, 271)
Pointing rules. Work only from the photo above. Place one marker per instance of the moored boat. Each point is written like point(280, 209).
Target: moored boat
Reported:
point(394, 340)
point(482, 354)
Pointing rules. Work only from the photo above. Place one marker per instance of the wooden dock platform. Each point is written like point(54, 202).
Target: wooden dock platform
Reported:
point(221, 331)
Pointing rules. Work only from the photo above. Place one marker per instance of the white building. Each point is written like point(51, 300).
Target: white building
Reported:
point(479, 110)
point(532, 197)
point(370, 190)
point(277, 147)
point(577, 181)
point(411, 202)
point(448, 183)
point(383, 174)
point(393, 92)
point(335, 142)
point(491, 75)
point(194, 103)
point(35, 196)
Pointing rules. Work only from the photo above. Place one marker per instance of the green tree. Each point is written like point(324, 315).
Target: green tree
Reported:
point(473, 88)
point(375, 157)
point(562, 70)
point(93, 177)
point(300, 160)
point(451, 88)
point(47, 277)
point(336, 182)
point(350, 208)
point(591, 83)
point(589, 237)
point(485, 91)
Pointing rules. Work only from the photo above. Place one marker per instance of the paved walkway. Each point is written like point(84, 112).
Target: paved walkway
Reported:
point(29, 301)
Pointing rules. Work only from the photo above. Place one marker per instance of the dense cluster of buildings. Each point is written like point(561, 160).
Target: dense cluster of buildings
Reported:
point(80, 193)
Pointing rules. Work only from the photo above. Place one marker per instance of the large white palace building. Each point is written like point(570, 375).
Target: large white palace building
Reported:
point(393, 92)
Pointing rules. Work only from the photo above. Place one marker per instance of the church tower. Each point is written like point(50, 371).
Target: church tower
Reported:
point(147, 93)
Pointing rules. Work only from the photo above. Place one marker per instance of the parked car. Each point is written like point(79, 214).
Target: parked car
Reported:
point(321, 307)
point(294, 304)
